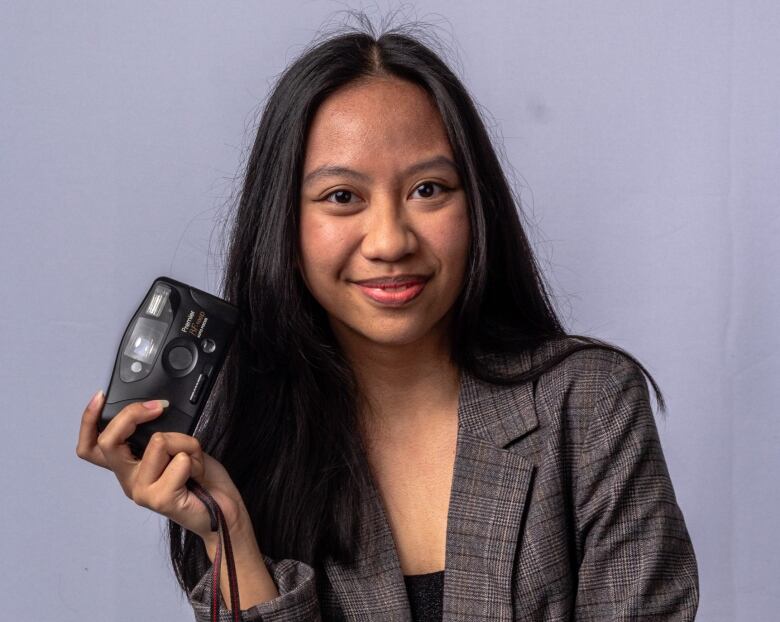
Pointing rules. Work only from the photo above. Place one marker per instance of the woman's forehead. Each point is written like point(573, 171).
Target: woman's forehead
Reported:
point(373, 119)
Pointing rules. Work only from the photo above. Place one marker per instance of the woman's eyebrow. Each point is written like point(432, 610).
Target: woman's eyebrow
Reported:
point(328, 170)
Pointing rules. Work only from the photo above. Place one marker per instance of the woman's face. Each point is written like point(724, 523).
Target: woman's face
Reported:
point(381, 199)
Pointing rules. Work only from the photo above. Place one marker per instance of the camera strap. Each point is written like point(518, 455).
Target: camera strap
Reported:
point(218, 525)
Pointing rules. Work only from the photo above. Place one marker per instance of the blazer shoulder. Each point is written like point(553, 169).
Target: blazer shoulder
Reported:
point(594, 357)
point(562, 395)
point(590, 389)
point(582, 374)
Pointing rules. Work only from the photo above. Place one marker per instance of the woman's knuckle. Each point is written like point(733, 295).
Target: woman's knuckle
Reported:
point(156, 503)
point(165, 507)
point(129, 409)
point(102, 442)
point(141, 496)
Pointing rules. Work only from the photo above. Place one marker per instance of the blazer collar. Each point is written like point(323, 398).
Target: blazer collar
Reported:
point(488, 502)
point(497, 413)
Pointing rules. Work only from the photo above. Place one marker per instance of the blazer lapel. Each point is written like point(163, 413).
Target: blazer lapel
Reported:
point(488, 501)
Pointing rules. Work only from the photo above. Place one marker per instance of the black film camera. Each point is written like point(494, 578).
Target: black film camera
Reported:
point(173, 349)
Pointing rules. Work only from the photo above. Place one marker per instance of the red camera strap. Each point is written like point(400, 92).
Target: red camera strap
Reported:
point(218, 524)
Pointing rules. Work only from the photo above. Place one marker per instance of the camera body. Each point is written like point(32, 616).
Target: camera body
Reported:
point(173, 349)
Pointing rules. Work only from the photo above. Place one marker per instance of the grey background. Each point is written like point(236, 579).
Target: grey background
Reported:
point(645, 143)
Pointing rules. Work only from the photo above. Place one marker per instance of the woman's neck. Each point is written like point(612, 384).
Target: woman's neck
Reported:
point(405, 386)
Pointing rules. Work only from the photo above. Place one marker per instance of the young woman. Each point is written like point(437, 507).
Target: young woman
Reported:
point(403, 429)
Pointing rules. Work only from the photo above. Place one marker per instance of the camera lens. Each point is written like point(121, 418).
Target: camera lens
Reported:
point(179, 358)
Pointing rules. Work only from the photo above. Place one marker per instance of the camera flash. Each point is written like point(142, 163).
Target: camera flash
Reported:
point(158, 301)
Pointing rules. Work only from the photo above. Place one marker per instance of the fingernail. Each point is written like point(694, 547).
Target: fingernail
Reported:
point(96, 398)
point(155, 404)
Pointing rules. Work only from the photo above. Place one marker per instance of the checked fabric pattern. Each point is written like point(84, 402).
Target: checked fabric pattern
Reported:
point(561, 509)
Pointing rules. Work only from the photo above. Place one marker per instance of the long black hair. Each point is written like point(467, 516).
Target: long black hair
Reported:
point(283, 418)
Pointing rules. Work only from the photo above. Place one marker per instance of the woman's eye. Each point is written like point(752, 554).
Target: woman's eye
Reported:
point(342, 196)
point(426, 189)
point(428, 192)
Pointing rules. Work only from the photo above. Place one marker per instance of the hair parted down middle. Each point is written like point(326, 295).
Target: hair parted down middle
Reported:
point(283, 417)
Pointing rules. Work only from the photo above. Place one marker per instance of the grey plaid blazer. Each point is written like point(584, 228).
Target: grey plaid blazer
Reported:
point(561, 509)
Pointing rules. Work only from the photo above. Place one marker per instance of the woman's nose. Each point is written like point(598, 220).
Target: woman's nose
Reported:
point(388, 236)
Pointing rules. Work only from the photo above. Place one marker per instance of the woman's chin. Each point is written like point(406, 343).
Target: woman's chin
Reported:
point(383, 336)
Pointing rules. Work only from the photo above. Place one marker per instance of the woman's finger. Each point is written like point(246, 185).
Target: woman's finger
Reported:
point(87, 448)
point(171, 487)
point(113, 440)
point(160, 482)
point(170, 496)
point(182, 505)
point(161, 448)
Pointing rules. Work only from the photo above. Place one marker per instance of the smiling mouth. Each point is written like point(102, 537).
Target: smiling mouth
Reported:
point(389, 282)
point(393, 294)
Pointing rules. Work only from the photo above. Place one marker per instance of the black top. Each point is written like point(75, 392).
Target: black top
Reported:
point(425, 595)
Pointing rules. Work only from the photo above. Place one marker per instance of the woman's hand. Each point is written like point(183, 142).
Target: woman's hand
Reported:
point(158, 480)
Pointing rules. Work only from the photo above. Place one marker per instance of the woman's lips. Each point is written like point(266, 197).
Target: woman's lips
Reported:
point(393, 295)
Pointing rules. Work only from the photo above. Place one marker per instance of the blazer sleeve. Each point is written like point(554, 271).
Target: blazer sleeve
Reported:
point(636, 559)
point(297, 598)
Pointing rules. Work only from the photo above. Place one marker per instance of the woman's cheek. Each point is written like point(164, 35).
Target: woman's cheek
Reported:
point(324, 243)
point(332, 234)
point(451, 238)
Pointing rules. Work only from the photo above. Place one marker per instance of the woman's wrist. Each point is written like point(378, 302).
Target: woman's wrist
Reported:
point(255, 583)
point(242, 537)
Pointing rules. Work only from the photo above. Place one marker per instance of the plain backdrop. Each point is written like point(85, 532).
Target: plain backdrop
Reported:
point(643, 138)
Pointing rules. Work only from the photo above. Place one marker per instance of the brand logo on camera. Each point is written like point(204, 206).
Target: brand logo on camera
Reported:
point(195, 325)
